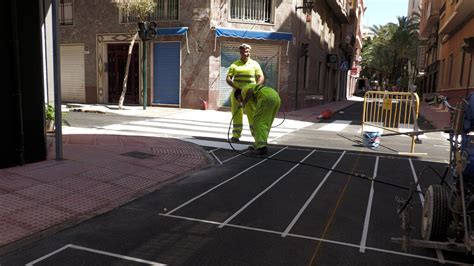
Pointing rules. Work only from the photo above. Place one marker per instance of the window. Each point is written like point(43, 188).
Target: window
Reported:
point(65, 12)
point(306, 72)
point(166, 10)
point(252, 11)
point(442, 75)
point(470, 77)
point(450, 71)
point(319, 77)
point(461, 73)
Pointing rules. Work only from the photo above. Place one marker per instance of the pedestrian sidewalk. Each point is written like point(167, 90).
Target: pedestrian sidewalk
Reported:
point(437, 115)
point(99, 172)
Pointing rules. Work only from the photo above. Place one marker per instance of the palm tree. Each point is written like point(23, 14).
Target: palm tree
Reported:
point(404, 43)
point(377, 54)
point(387, 54)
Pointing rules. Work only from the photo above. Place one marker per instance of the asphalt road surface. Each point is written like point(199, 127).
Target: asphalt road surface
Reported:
point(307, 203)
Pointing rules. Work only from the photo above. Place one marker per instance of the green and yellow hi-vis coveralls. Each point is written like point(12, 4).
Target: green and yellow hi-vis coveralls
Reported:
point(243, 74)
point(261, 110)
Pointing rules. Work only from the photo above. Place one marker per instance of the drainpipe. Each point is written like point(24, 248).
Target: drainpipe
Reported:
point(298, 56)
point(144, 45)
point(469, 74)
point(17, 93)
point(57, 85)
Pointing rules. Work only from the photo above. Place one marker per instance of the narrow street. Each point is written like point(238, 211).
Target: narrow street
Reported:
point(304, 204)
point(122, 144)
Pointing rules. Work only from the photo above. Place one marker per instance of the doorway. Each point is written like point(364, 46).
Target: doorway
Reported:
point(117, 60)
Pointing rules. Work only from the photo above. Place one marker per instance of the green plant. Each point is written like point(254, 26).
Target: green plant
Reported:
point(50, 115)
point(49, 111)
point(140, 8)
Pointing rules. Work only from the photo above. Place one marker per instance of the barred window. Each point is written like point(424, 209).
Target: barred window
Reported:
point(166, 10)
point(252, 10)
point(65, 12)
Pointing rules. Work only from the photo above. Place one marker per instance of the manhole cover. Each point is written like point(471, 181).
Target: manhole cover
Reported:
point(138, 155)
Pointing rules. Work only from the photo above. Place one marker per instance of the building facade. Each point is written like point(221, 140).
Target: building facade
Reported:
point(300, 45)
point(456, 34)
point(414, 7)
point(354, 42)
point(445, 56)
point(428, 49)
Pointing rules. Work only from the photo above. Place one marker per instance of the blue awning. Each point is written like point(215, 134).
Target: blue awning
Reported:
point(174, 31)
point(171, 31)
point(253, 34)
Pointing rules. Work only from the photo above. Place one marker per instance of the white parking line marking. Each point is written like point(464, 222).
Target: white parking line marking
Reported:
point(188, 218)
point(336, 126)
point(47, 256)
point(288, 228)
point(233, 157)
point(94, 251)
point(439, 253)
point(263, 192)
point(224, 182)
point(115, 255)
point(422, 199)
point(215, 156)
point(442, 146)
point(365, 231)
point(215, 144)
point(412, 255)
point(313, 238)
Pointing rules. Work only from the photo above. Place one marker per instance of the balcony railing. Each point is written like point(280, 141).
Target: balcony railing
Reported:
point(259, 11)
point(166, 10)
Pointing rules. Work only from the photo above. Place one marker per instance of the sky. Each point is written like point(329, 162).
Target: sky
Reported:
point(381, 12)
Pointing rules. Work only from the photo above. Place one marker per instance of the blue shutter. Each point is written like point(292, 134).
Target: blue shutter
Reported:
point(166, 73)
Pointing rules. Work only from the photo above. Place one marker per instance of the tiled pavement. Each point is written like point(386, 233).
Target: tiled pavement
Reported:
point(101, 172)
point(437, 115)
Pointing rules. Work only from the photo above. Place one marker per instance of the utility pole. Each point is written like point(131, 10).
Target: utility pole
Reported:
point(146, 31)
point(144, 49)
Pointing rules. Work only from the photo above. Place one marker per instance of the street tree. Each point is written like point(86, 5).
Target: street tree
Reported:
point(386, 56)
point(141, 9)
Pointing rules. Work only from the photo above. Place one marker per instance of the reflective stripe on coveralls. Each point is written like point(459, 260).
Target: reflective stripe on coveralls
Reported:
point(243, 74)
point(261, 111)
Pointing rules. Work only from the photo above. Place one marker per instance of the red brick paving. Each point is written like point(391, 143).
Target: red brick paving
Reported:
point(93, 178)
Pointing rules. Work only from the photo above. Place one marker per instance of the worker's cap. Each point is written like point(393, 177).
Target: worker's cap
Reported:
point(245, 46)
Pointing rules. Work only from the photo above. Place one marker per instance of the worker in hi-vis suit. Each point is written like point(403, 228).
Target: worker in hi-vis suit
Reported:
point(261, 104)
point(242, 72)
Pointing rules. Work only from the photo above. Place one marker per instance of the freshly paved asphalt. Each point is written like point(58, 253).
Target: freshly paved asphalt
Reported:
point(256, 211)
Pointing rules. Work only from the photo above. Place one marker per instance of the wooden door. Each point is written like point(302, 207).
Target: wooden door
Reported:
point(117, 60)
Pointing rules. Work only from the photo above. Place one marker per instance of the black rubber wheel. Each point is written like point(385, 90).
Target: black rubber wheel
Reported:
point(436, 215)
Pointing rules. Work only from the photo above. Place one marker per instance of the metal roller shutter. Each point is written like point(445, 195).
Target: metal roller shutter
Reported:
point(72, 73)
point(166, 73)
point(268, 56)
